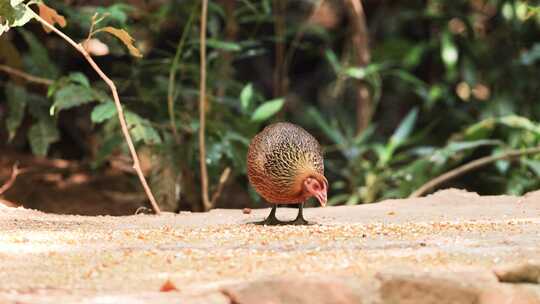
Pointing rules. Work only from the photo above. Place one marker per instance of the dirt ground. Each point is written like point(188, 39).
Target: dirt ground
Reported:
point(445, 245)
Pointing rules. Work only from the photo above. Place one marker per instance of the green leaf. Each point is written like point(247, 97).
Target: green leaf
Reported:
point(455, 147)
point(356, 72)
point(449, 51)
point(405, 128)
point(398, 138)
point(17, 100)
point(41, 135)
point(116, 12)
point(70, 96)
point(223, 45)
point(502, 166)
point(102, 96)
point(435, 93)
point(534, 165)
point(80, 78)
point(531, 56)
point(246, 96)
point(267, 110)
point(520, 122)
point(141, 129)
point(103, 112)
point(452, 149)
point(481, 129)
point(40, 63)
point(15, 13)
point(363, 72)
point(414, 55)
point(38, 106)
point(334, 61)
point(333, 133)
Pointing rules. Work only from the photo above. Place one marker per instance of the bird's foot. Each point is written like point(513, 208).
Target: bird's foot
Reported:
point(270, 221)
point(300, 222)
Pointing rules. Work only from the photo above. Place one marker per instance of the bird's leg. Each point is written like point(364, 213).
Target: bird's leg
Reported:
point(300, 217)
point(271, 220)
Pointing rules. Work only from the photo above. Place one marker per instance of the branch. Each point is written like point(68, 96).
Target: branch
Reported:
point(120, 111)
point(14, 172)
point(26, 76)
point(222, 180)
point(475, 164)
point(202, 109)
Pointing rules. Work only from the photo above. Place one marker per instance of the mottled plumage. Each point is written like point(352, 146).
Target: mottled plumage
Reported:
point(280, 158)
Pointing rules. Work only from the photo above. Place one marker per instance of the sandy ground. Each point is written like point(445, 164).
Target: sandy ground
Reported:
point(47, 258)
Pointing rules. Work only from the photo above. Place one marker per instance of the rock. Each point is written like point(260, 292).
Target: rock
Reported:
point(454, 192)
point(530, 198)
point(511, 294)
point(528, 272)
point(425, 289)
point(453, 288)
point(294, 290)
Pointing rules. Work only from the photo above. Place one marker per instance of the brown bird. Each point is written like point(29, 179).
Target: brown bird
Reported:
point(285, 166)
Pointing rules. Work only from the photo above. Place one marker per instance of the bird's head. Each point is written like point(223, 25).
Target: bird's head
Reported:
point(316, 186)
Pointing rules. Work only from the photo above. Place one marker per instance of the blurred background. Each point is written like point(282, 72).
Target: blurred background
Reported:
point(397, 92)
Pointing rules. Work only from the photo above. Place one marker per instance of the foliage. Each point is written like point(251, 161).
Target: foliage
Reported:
point(449, 81)
point(470, 88)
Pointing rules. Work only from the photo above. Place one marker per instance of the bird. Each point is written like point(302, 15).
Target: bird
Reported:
point(285, 165)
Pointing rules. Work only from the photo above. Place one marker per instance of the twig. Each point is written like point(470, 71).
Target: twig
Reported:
point(172, 77)
point(121, 117)
point(14, 172)
point(26, 76)
point(222, 180)
point(475, 164)
point(91, 31)
point(202, 109)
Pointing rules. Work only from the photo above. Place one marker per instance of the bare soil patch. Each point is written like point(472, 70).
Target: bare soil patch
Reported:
point(451, 237)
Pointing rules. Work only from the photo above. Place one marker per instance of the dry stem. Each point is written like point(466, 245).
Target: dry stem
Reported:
point(26, 76)
point(14, 172)
point(121, 117)
point(202, 109)
point(475, 164)
point(222, 180)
